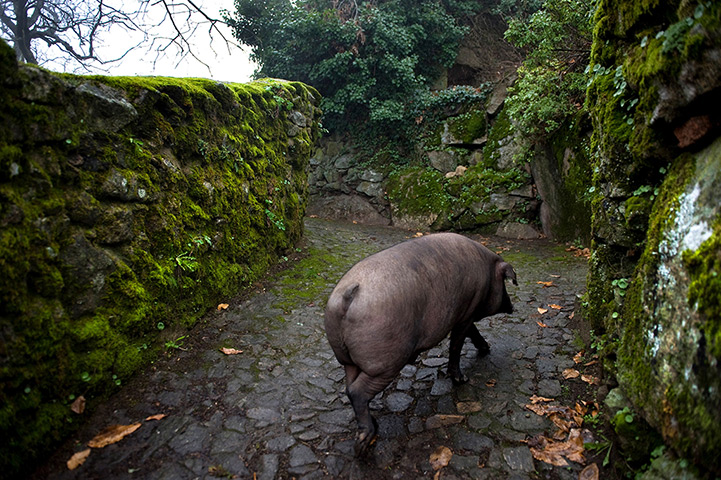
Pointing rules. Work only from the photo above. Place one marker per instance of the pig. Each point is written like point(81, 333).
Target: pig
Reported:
point(399, 302)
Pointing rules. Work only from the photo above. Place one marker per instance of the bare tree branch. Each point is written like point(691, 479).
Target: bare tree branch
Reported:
point(73, 30)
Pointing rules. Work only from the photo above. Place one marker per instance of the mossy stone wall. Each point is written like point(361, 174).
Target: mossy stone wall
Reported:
point(653, 280)
point(130, 206)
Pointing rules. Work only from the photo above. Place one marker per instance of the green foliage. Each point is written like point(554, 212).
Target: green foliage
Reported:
point(551, 83)
point(367, 61)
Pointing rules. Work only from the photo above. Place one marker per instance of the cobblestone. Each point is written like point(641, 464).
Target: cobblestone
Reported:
point(279, 410)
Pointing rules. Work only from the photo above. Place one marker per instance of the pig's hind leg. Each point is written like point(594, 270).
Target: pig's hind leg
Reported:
point(361, 389)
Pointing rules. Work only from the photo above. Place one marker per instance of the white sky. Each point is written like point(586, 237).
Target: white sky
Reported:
point(227, 63)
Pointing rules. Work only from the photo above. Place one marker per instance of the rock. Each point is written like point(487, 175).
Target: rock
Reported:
point(297, 118)
point(398, 402)
point(87, 269)
point(519, 459)
point(459, 171)
point(517, 231)
point(372, 189)
point(693, 130)
point(104, 108)
point(344, 162)
point(442, 160)
point(346, 207)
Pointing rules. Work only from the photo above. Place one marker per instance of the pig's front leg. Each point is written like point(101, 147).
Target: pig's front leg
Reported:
point(478, 341)
point(458, 336)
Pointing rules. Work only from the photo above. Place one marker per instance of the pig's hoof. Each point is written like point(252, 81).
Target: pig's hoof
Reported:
point(366, 439)
point(458, 378)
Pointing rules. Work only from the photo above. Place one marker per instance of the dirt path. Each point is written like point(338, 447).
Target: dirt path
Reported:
point(278, 409)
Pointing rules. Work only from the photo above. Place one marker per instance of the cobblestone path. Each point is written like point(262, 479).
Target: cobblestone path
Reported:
point(278, 409)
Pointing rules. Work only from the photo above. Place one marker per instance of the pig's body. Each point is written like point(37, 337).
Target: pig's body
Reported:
point(403, 300)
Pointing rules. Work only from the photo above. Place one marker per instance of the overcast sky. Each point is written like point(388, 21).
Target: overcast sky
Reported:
point(229, 64)
point(225, 62)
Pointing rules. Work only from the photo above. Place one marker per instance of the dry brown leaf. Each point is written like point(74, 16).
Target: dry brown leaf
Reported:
point(592, 362)
point(553, 452)
point(541, 324)
point(542, 310)
point(230, 351)
point(570, 373)
point(545, 284)
point(555, 307)
point(78, 406)
point(158, 416)
point(112, 434)
point(591, 379)
point(573, 314)
point(223, 306)
point(440, 457)
point(78, 459)
point(578, 358)
point(589, 473)
point(418, 234)
point(536, 399)
point(491, 382)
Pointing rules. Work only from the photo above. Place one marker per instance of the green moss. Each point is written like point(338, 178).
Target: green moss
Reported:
point(500, 130)
point(704, 293)
point(164, 218)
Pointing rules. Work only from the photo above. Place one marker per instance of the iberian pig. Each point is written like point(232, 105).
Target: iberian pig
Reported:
point(401, 301)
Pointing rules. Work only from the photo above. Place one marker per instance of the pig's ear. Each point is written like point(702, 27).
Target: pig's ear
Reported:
point(507, 272)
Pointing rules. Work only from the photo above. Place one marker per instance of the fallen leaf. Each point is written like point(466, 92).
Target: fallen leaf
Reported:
point(541, 324)
point(536, 399)
point(592, 362)
point(78, 459)
point(491, 382)
point(440, 457)
point(570, 373)
point(418, 234)
point(230, 351)
point(591, 379)
point(553, 452)
point(573, 314)
point(78, 406)
point(555, 307)
point(223, 306)
point(158, 416)
point(441, 420)
point(112, 434)
point(578, 358)
point(542, 310)
point(545, 284)
point(589, 473)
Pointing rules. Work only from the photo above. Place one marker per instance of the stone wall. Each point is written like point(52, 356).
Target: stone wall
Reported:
point(654, 281)
point(128, 207)
point(467, 174)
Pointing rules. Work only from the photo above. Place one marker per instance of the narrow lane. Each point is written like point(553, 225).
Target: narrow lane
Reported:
point(278, 409)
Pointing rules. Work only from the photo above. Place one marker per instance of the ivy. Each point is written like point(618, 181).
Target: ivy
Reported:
point(552, 80)
point(371, 61)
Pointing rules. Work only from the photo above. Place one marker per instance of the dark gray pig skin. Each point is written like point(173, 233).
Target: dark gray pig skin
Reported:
point(399, 302)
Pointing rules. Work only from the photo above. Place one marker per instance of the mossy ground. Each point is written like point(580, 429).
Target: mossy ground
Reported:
point(116, 231)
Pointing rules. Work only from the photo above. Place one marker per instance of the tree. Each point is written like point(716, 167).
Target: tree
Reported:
point(369, 58)
point(551, 82)
point(72, 30)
